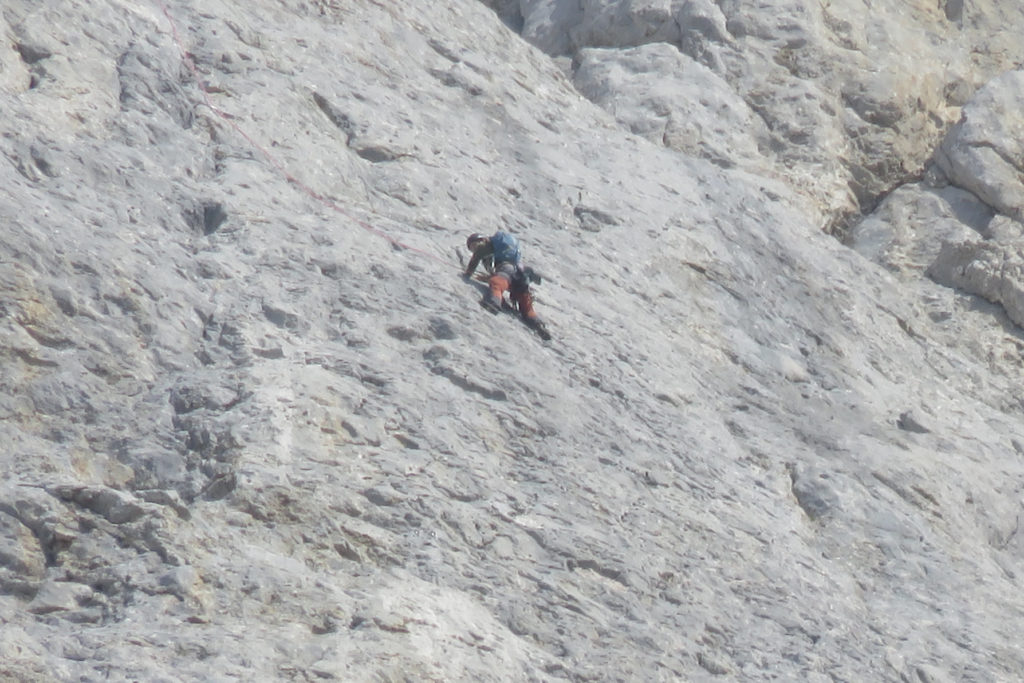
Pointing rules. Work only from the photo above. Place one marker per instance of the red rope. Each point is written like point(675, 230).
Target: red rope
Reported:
point(274, 161)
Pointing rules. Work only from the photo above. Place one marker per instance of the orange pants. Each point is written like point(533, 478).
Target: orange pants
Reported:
point(499, 282)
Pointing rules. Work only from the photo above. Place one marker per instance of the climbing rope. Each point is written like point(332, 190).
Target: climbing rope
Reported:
point(230, 122)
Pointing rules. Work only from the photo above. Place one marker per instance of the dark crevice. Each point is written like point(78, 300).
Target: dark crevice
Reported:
point(205, 217)
point(465, 383)
point(509, 13)
point(30, 54)
point(341, 121)
point(214, 216)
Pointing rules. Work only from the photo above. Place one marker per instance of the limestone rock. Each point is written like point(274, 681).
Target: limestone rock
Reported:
point(854, 104)
point(256, 427)
point(655, 91)
point(59, 596)
point(22, 562)
point(907, 231)
point(994, 271)
point(984, 152)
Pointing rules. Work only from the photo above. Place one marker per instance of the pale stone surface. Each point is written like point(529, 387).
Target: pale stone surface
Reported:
point(691, 110)
point(984, 152)
point(992, 270)
point(21, 558)
point(855, 95)
point(257, 428)
point(961, 227)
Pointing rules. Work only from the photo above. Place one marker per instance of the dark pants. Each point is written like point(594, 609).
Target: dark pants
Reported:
point(507, 277)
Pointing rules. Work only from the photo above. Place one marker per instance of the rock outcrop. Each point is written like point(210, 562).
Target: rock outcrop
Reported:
point(984, 152)
point(852, 97)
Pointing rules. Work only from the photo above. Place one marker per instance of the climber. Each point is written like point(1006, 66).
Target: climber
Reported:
point(501, 257)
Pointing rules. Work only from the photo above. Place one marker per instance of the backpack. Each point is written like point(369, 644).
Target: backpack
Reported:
point(506, 248)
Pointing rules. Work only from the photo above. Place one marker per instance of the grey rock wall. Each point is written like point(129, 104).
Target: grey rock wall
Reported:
point(961, 225)
point(854, 96)
point(984, 152)
point(256, 426)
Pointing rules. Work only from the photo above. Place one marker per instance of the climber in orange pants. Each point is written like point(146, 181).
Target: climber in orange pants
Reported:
point(500, 254)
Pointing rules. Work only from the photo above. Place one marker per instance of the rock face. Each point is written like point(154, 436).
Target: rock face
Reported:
point(984, 152)
point(658, 92)
point(852, 97)
point(256, 427)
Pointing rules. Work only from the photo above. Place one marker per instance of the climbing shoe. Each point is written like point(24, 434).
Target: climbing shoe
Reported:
point(491, 303)
point(540, 328)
